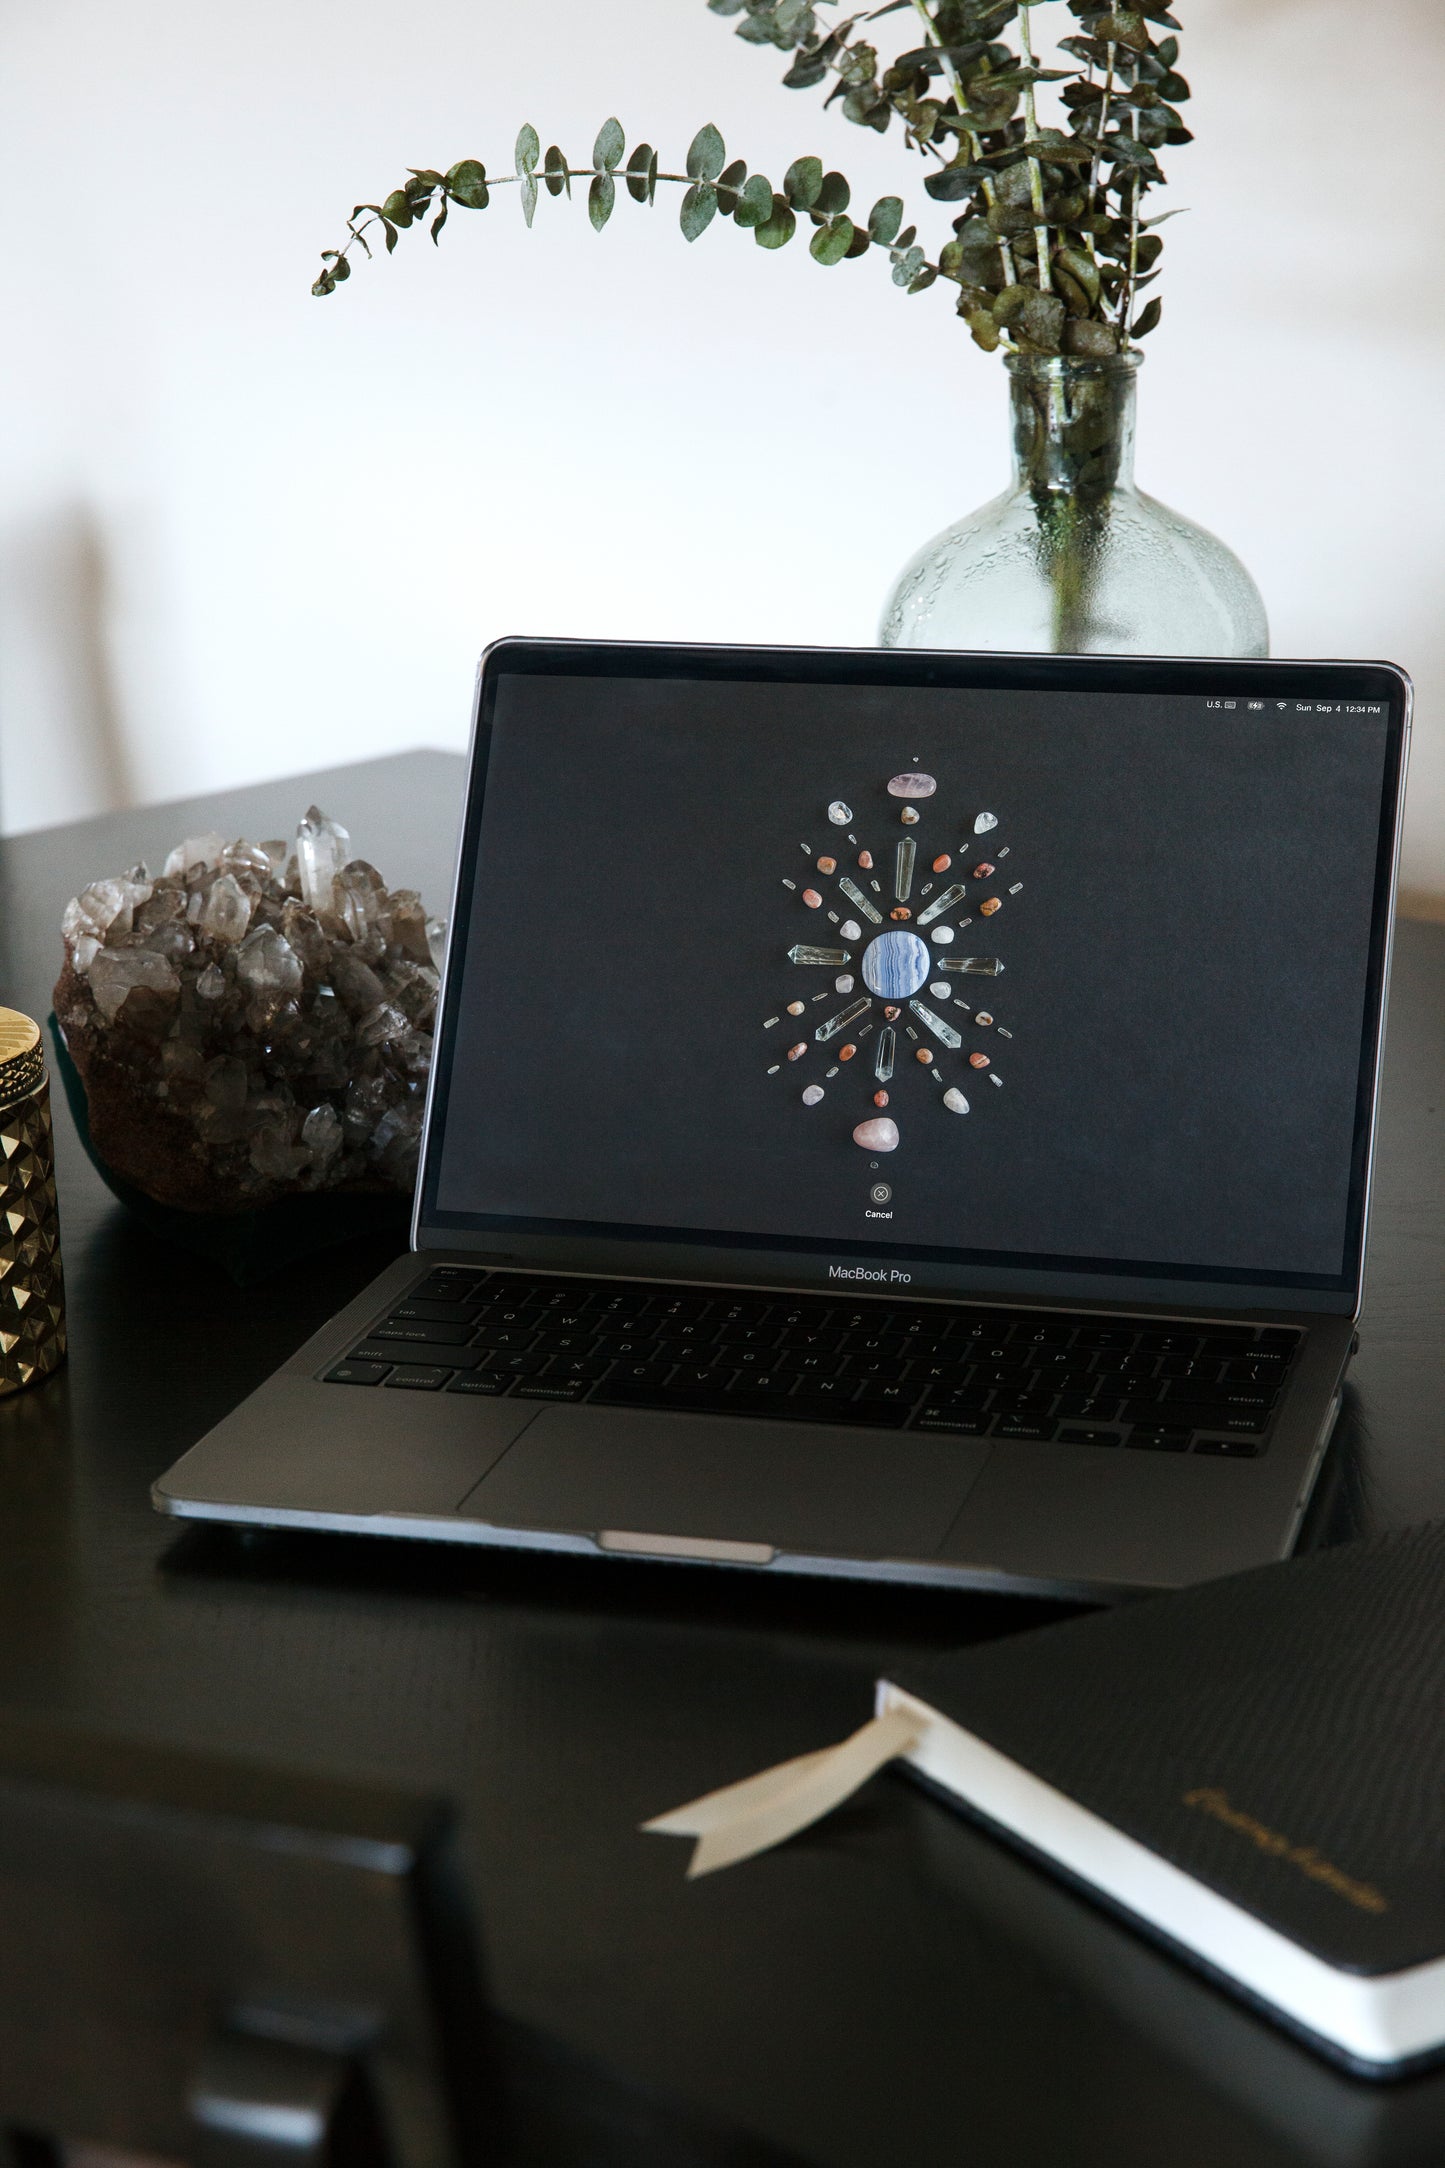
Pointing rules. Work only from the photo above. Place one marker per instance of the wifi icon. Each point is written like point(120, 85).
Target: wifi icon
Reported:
point(1281, 703)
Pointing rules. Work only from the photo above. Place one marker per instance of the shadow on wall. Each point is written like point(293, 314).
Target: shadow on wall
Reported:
point(56, 580)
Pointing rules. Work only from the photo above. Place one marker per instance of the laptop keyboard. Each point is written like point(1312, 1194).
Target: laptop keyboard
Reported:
point(1077, 1379)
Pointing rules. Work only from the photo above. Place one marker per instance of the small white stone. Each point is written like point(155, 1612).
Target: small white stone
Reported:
point(941, 990)
point(996, 1079)
point(812, 1095)
point(942, 935)
point(843, 984)
point(984, 822)
point(954, 1100)
point(840, 814)
point(851, 930)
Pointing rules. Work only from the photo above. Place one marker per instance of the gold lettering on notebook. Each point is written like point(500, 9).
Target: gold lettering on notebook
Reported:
point(1210, 1800)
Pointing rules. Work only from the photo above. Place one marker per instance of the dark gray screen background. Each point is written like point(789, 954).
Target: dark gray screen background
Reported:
point(1185, 970)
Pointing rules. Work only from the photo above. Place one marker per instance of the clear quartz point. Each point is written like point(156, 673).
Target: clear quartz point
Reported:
point(977, 967)
point(883, 1063)
point(834, 1024)
point(941, 1030)
point(856, 896)
point(803, 952)
point(903, 856)
point(436, 941)
point(323, 847)
point(942, 903)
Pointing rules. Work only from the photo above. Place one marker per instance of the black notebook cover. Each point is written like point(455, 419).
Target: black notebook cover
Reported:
point(1279, 1736)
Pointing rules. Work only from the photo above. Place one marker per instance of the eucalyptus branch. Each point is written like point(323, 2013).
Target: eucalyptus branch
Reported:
point(1049, 247)
point(711, 185)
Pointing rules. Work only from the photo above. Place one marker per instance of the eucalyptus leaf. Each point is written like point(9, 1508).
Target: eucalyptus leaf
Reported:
point(833, 196)
point(528, 149)
point(390, 232)
point(554, 172)
point(755, 204)
point(1147, 318)
point(397, 208)
point(699, 208)
point(467, 185)
point(341, 269)
point(802, 182)
point(778, 230)
point(884, 220)
point(600, 198)
point(831, 243)
point(642, 174)
point(706, 157)
point(527, 190)
point(436, 225)
point(611, 143)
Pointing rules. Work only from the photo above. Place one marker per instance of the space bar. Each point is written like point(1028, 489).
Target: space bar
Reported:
point(702, 1402)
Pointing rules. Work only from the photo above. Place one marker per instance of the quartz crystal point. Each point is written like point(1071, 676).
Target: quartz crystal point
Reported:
point(226, 912)
point(842, 1020)
point(940, 904)
point(115, 974)
point(977, 967)
point(802, 952)
point(856, 896)
point(322, 849)
point(936, 1024)
point(883, 1061)
point(903, 857)
point(203, 851)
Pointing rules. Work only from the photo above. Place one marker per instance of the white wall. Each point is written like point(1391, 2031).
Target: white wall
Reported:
point(244, 532)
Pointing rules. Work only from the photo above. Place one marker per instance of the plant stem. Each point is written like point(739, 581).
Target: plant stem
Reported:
point(1126, 299)
point(960, 99)
point(1036, 176)
point(1101, 124)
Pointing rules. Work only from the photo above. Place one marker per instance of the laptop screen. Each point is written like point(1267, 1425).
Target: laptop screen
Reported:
point(1075, 977)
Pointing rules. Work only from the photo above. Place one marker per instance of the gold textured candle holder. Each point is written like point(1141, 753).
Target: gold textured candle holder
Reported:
point(32, 1289)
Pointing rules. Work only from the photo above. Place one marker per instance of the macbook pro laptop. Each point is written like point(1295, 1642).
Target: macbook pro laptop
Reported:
point(901, 1115)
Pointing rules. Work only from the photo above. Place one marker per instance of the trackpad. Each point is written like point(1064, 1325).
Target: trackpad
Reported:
point(794, 1486)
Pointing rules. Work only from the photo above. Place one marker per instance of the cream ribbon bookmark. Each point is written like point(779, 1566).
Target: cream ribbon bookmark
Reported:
point(759, 1812)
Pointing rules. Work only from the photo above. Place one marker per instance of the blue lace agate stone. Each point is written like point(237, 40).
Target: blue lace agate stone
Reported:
point(895, 965)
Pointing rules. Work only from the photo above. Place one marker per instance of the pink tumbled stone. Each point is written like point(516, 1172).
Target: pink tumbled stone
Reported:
point(879, 1135)
point(811, 898)
point(912, 785)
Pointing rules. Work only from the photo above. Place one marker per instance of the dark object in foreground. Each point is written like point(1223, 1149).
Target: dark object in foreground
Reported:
point(206, 1960)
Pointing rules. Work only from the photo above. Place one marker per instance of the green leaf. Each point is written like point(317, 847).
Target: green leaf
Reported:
point(755, 204)
point(802, 182)
point(729, 184)
point(831, 243)
point(611, 143)
point(832, 197)
point(884, 220)
point(397, 207)
point(555, 174)
point(1147, 318)
point(699, 208)
point(642, 174)
point(528, 149)
point(777, 231)
point(326, 284)
point(390, 235)
point(1123, 27)
point(1081, 268)
point(439, 221)
point(924, 279)
point(706, 157)
point(907, 263)
point(950, 185)
point(341, 269)
point(600, 198)
point(467, 185)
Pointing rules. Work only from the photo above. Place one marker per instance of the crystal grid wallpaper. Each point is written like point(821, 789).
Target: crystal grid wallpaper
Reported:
point(741, 957)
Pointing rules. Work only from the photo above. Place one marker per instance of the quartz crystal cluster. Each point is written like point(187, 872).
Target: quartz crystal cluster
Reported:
point(252, 1020)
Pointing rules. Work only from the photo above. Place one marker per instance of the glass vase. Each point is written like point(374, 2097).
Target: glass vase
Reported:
point(1074, 559)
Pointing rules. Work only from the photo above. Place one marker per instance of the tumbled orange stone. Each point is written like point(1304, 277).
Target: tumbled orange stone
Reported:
point(942, 862)
point(846, 1053)
point(796, 1053)
point(982, 870)
point(982, 1017)
point(924, 1056)
point(827, 865)
point(865, 860)
point(795, 1008)
point(900, 910)
point(978, 1061)
point(891, 1014)
point(811, 898)
point(987, 909)
point(880, 1099)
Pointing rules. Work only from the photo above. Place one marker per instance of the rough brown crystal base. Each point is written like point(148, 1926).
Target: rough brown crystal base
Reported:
point(32, 1291)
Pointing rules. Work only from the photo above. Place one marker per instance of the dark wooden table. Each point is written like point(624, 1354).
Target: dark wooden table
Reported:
point(891, 1988)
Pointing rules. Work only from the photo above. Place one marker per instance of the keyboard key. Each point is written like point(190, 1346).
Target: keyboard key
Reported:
point(1119, 1338)
point(1100, 1408)
point(1228, 1448)
point(352, 1372)
point(1169, 1343)
point(1026, 1406)
point(968, 1422)
point(1010, 1426)
point(488, 1383)
point(517, 1361)
point(585, 1367)
point(503, 1336)
point(1074, 1434)
point(418, 1378)
point(434, 1313)
point(1158, 1440)
point(402, 1329)
point(1209, 1416)
point(549, 1388)
point(879, 1392)
point(380, 1351)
